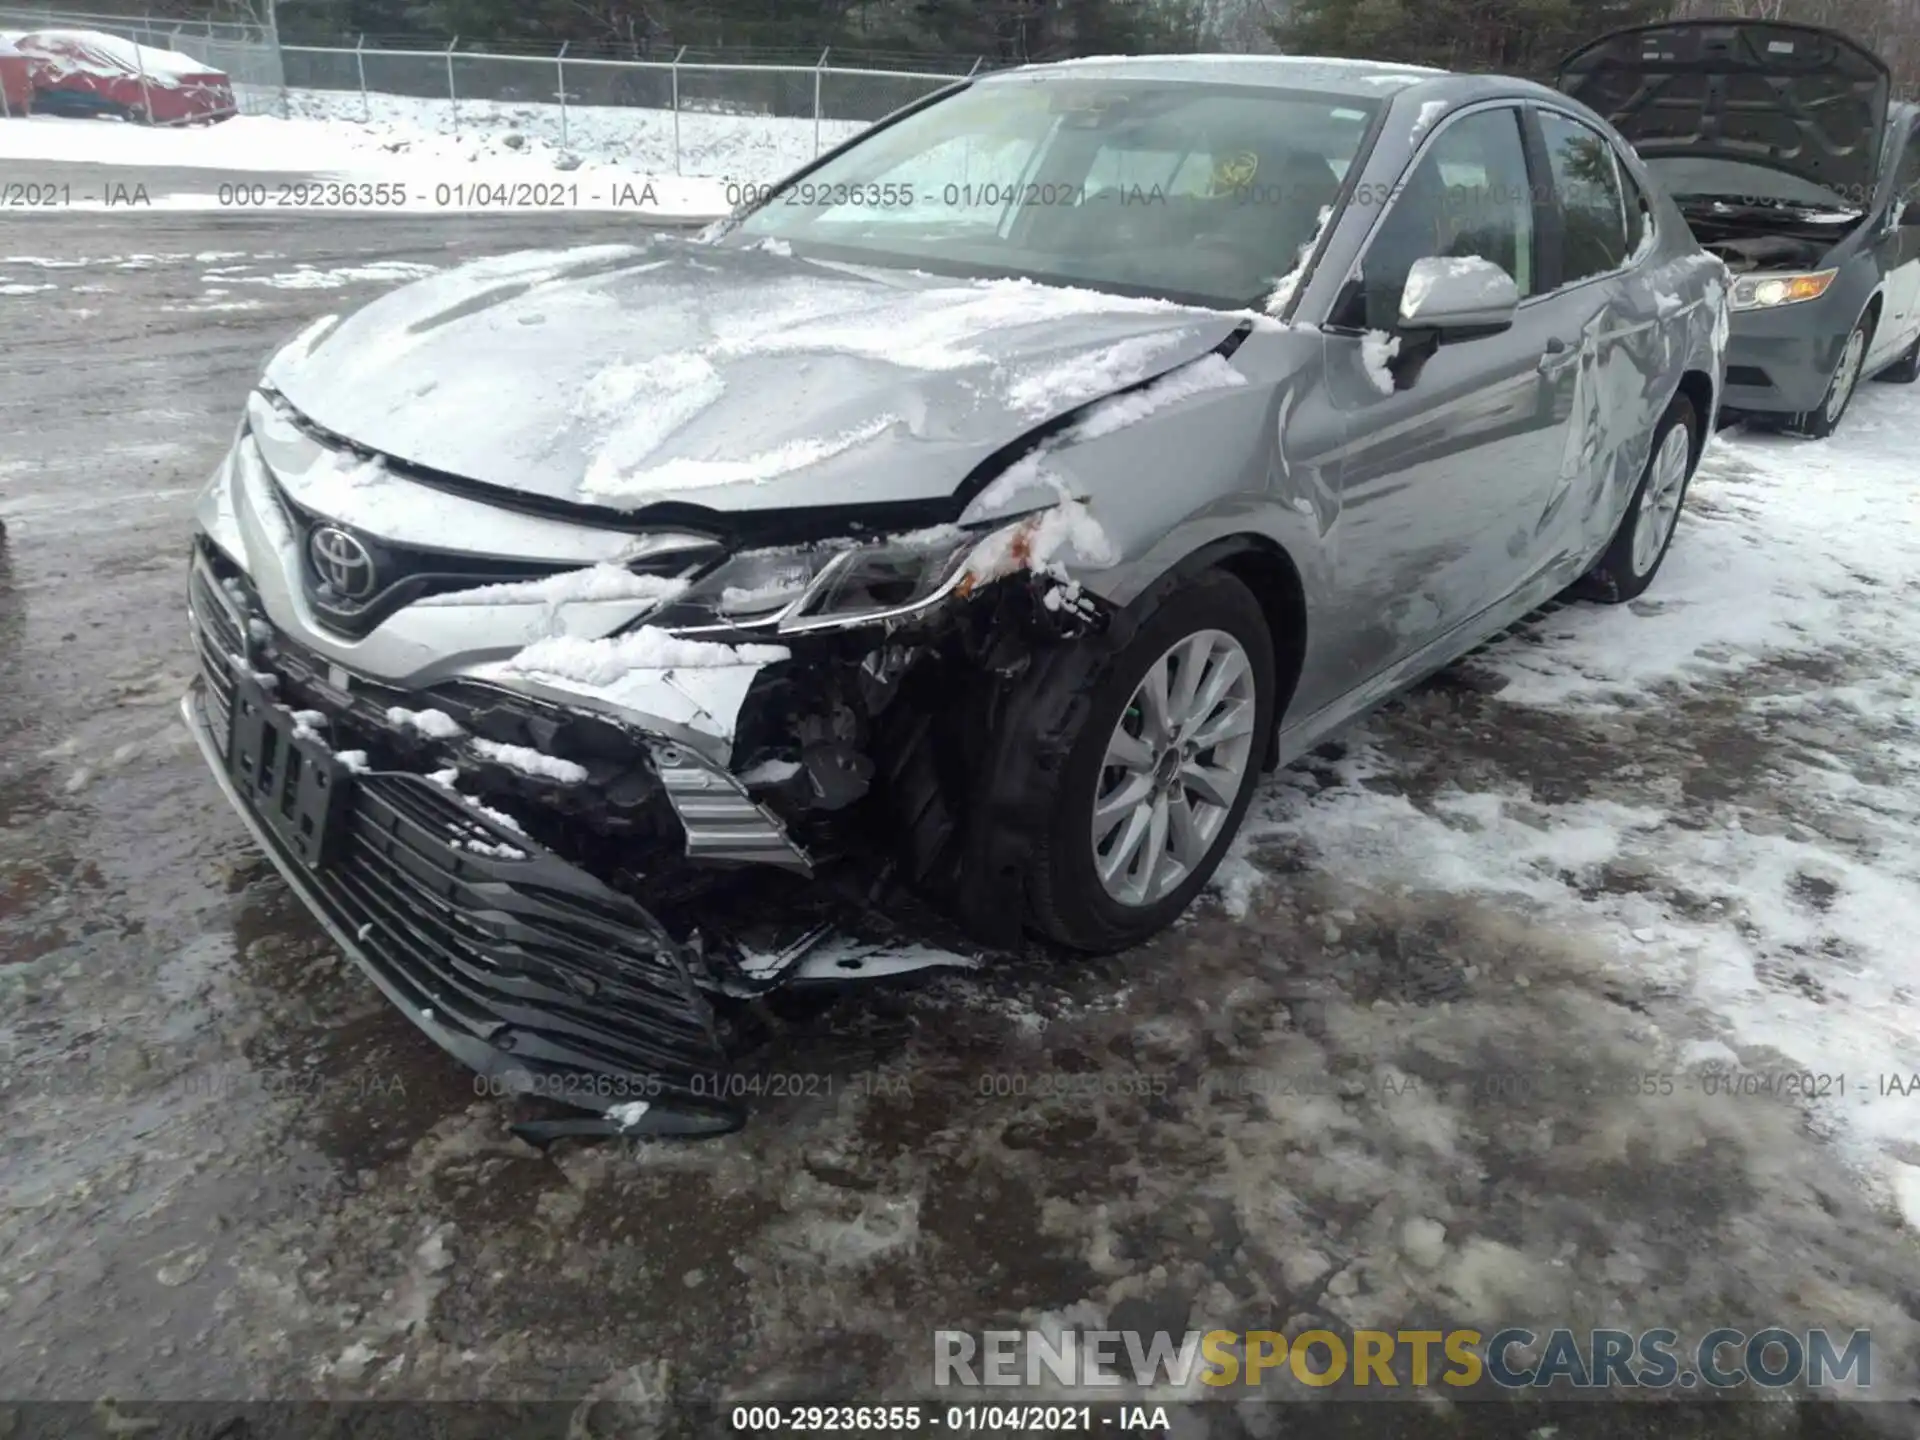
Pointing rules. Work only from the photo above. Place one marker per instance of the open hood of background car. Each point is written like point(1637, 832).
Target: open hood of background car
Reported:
point(1793, 98)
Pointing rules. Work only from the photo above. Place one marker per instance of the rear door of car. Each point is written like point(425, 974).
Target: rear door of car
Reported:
point(1443, 467)
point(1612, 380)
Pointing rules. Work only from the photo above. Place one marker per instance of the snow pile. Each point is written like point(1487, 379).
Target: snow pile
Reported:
point(1430, 111)
point(636, 407)
point(1209, 372)
point(633, 139)
point(609, 660)
point(605, 482)
point(448, 780)
point(62, 53)
point(597, 582)
point(1377, 349)
point(640, 406)
point(938, 329)
point(473, 169)
point(529, 761)
point(1281, 296)
point(434, 724)
point(1042, 542)
point(314, 277)
point(1750, 879)
point(1062, 385)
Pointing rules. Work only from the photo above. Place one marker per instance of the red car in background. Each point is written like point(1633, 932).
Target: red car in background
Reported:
point(16, 80)
point(87, 73)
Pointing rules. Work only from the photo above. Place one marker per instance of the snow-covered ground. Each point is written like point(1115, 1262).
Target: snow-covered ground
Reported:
point(612, 157)
point(1712, 792)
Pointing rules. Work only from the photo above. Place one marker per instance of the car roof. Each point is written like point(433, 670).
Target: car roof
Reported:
point(1355, 79)
point(1321, 74)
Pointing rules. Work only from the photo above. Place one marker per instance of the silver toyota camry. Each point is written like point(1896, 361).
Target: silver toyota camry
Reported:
point(940, 546)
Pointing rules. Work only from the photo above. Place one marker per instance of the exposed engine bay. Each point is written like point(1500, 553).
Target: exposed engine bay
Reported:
point(1750, 238)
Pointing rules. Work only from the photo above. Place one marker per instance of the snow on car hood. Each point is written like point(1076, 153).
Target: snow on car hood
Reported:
point(734, 379)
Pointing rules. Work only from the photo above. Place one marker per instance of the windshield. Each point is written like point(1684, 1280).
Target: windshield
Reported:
point(1201, 193)
point(1736, 182)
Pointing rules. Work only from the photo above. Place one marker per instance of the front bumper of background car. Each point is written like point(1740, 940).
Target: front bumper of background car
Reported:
point(1782, 361)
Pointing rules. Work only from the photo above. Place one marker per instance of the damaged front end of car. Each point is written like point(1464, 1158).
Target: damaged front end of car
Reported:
point(565, 861)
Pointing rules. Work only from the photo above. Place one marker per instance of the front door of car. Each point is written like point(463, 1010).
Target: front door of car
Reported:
point(1900, 247)
point(1446, 458)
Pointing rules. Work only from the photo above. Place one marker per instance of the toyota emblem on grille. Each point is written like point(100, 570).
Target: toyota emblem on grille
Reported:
point(342, 562)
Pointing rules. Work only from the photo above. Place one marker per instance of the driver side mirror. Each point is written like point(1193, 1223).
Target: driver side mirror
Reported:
point(1458, 298)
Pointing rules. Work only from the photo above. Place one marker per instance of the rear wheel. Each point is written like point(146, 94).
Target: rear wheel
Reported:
point(1633, 557)
point(1819, 424)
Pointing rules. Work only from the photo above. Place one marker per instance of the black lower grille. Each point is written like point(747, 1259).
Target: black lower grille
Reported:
point(1749, 375)
point(522, 965)
point(218, 641)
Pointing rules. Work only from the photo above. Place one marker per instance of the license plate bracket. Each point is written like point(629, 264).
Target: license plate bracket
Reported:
point(293, 783)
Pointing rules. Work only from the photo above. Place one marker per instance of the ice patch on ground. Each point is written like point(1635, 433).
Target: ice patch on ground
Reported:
point(313, 277)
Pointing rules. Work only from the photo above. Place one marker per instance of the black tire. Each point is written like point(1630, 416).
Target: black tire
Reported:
point(1906, 369)
point(1615, 578)
point(1052, 747)
point(1820, 423)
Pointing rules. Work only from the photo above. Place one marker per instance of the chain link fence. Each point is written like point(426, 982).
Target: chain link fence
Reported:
point(694, 118)
point(690, 114)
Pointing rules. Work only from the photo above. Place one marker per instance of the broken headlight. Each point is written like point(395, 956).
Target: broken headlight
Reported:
point(825, 586)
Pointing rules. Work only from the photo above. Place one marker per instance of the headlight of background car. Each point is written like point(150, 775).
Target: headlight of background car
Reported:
point(1770, 292)
point(824, 586)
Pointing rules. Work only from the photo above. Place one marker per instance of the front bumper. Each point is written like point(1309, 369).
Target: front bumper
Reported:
point(1782, 363)
point(520, 964)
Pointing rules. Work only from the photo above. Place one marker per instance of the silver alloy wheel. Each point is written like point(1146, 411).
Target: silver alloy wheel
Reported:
point(1660, 501)
point(1847, 377)
point(1173, 768)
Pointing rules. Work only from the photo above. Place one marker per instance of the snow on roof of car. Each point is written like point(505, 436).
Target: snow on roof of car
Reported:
point(92, 52)
point(1306, 72)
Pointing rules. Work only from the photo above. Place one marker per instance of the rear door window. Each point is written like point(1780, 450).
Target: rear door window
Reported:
point(1586, 182)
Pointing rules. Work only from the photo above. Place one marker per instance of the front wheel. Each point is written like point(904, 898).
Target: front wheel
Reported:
point(1633, 557)
point(1161, 770)
point(1819, 424)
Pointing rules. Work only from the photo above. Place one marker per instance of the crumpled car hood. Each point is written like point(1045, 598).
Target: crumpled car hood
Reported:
point(735, 379)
